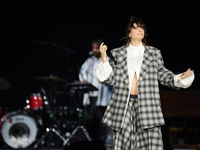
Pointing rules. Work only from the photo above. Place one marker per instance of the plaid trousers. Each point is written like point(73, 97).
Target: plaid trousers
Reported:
point(132, 136)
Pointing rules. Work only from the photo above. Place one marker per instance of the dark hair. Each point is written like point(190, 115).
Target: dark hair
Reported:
point(139, 23)
point(97, 41)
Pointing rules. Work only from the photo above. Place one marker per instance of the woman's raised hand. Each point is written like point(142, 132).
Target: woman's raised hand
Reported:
point(103, 49)
point(187, 74)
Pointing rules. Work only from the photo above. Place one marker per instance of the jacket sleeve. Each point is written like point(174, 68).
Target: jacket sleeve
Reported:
point(111, 79)
point(106, 71)
point(165, 76)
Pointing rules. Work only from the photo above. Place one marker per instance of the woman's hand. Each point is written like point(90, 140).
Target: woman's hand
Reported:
point(187, 74)
point(103, 49)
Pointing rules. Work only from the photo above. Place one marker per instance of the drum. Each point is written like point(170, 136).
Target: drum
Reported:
point(35, 102)
point(18, 130)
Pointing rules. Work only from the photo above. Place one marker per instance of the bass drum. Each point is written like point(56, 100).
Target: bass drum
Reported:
point(18, 130)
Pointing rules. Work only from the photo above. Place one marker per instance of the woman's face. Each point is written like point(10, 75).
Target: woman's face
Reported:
point(136, 33)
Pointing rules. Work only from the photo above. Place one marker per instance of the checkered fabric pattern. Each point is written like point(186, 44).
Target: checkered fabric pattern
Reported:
point(152, 72)
point(132, 136)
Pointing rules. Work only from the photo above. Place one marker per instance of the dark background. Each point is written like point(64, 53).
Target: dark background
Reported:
point(36, 36)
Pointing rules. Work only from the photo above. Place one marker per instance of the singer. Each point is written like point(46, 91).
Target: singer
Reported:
point(134, 110)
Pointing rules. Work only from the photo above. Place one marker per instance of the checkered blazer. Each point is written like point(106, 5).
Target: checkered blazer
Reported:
point(152, 73)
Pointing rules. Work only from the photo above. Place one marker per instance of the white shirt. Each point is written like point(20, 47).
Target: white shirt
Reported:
point(134, 61)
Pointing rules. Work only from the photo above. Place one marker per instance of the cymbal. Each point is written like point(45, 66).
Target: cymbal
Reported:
point(51, 79)
point(4, 84)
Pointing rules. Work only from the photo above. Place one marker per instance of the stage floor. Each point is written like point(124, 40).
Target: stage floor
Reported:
point(79, 145)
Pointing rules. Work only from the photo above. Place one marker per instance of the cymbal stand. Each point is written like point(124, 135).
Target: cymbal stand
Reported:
point(79, 112)
point(79, 127)
point(80, 88)
point(46, 134)
point(51, 119)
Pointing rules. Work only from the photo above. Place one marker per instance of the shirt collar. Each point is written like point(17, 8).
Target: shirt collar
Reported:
point(132, 50)
point(134, 47)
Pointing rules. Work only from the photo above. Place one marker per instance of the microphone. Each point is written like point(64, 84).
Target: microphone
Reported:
point(111, 56)
point(90, 54)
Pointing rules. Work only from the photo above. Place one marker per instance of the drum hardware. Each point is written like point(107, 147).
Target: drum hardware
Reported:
point(48, 131)
point(52, 126)
point(23, 133)
point(70, 136)
point(18, 130)
point(51, 79)
point(52, 82)
point(43, 42)
point(35, 102)
point(84, 87)
point(80, 87)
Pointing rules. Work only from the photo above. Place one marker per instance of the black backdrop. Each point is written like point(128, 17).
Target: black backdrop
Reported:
point(35, 37)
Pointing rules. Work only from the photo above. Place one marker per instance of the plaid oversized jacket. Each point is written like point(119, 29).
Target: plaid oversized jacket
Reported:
point(152, 73)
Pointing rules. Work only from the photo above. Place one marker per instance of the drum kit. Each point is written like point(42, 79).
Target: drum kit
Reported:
point(45, 122)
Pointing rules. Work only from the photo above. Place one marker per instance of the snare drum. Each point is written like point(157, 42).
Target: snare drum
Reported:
point(35, 102)
point(18, 130)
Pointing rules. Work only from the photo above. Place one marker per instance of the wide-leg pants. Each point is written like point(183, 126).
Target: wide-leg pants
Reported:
point(132, 136)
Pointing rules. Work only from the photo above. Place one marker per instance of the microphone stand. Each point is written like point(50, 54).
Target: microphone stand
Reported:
point(68, 50)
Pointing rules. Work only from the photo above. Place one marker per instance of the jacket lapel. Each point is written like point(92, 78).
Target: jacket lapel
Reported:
point(147, 58)
point(122, 60)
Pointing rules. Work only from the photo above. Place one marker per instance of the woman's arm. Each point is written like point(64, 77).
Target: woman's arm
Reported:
point(105, 70)
point(167, 78)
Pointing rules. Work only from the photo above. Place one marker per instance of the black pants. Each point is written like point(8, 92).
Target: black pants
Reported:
point(92, 116)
